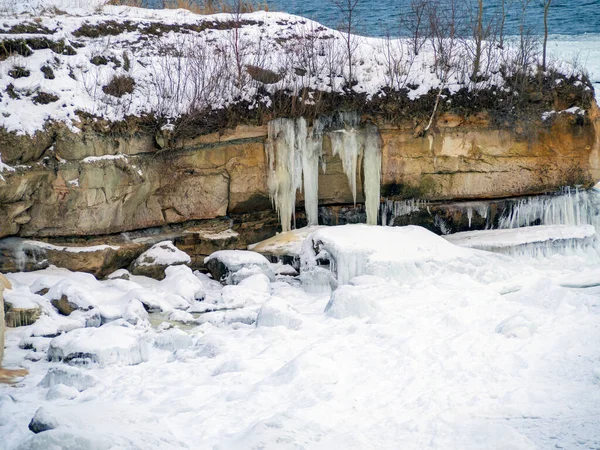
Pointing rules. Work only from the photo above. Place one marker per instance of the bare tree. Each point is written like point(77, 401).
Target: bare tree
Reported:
point(503, 13)
point(444, 27)
point(478, 38)
point(416, 24)
point(546, 4)
point(347, 9)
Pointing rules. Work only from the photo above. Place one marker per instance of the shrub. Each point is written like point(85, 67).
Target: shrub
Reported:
point(19, 72)
point(43, 98)
point(119, 85)
point(48, 72)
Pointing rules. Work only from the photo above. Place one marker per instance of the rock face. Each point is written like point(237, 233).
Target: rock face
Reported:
point(95, 184)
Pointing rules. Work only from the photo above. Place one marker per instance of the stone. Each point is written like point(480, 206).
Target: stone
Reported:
point(153, 262)
point(42, 421)
point(64, 306)
point(97, 257)
point(225, 264)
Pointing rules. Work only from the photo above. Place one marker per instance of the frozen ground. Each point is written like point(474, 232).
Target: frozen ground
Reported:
point(472, 350)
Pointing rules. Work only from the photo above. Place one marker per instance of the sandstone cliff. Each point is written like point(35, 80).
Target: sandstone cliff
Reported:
point(90, 183)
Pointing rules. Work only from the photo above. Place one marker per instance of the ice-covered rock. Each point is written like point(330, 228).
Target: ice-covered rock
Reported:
point(181, 316)
point(153, 262)
point(536, 241)
point(120, 274)
point(254, 290)
point(224, 264)
point(43, 420)
point(61, 391)
point(172, 340)
point(318, 280)
point(182, 287)
point(389, 252)
point(135, 313)
point(68, 296)
point(285, 270)
point(21, 308)
point(277, 312)
point(286, 245)
point(69, 376)
point(105, 345)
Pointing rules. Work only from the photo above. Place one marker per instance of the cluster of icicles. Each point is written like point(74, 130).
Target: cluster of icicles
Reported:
point(295, 153)
point(572, 206)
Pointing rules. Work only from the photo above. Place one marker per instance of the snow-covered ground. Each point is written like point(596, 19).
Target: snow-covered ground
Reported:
point(447, 348)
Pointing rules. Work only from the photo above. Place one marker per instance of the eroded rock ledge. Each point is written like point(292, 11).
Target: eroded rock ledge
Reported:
point(91, 183)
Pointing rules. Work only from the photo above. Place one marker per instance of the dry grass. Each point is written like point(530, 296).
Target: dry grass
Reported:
point(201, 6)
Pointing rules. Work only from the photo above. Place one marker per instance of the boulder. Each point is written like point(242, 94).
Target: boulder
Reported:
point(94, 257)
point(64, 306)
point(153, 262)
point(224, 264)
point(42, 421)
point(107, 345)
point(69, 295)
point(19, 310)
point(68, 376)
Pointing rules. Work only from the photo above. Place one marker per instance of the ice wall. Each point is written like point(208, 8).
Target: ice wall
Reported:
point(294, 152)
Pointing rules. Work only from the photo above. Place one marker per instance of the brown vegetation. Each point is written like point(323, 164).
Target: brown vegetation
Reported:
point(119, 86)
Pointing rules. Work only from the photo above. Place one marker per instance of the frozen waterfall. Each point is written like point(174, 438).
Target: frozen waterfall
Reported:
point(293, 155)
point(572, 206)
point(294, 152)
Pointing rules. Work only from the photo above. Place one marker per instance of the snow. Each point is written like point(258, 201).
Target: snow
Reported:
point(163, 254)
point(70, 377)
point(105, 346)
point(368, 250)
point(276, 312)
point(235, 260)
point(60, 248)
point(489, 239)
point(387, 335)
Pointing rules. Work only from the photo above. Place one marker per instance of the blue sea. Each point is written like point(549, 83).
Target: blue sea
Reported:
point(375, 18)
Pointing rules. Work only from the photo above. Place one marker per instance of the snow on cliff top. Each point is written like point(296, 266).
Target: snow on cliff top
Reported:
point(115, 61)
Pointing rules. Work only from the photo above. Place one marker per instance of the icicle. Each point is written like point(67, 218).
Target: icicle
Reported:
point(372, 169)
point(310, 148)
point(281, 157)
point(571, 207)
point(293, 156)
point(345, 144)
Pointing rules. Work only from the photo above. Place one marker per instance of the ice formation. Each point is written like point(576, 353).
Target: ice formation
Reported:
point(294, 152)
point(379, 250)
point(572, 206)
point(535, 242)
point(105, 345)
point(293, 156)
